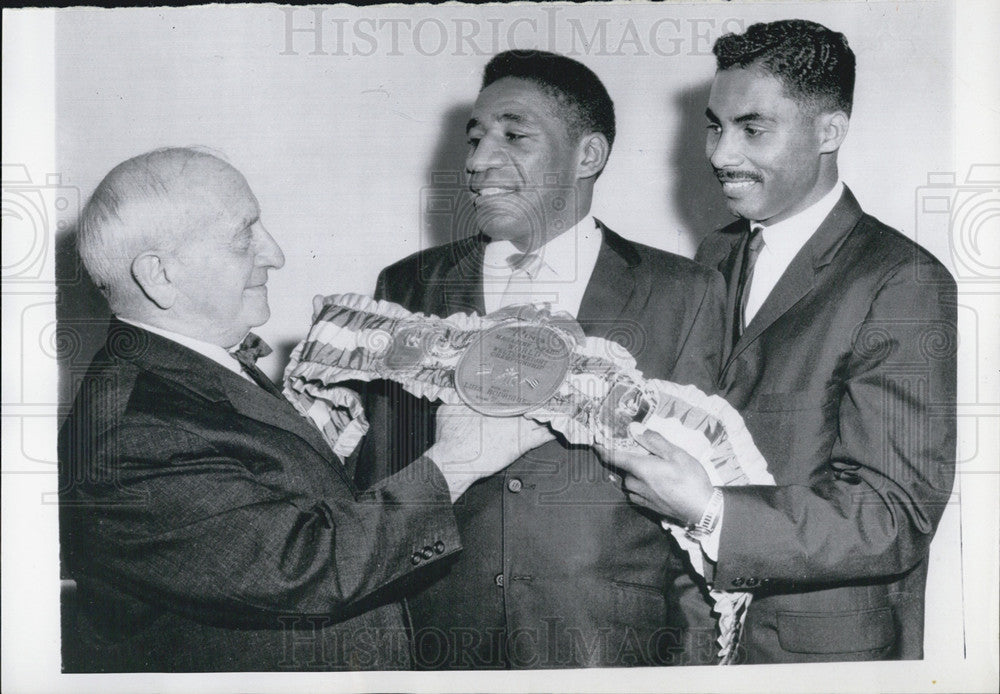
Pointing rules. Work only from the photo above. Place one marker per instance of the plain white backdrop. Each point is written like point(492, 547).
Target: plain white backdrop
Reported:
point(341, 149)
point(343, 119)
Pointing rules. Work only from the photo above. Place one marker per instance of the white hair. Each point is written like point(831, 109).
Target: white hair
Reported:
point(136, 208)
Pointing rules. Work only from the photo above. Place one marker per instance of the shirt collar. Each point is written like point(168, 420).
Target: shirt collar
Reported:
point(788, 236)
point(218, 354)
point(559, 256)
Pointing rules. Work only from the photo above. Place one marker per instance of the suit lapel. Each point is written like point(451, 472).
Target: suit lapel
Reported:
point(800, 276)
point(794, 284)
point(460, 289)
point(614, 287)
point(215, 383)
point(252, 401)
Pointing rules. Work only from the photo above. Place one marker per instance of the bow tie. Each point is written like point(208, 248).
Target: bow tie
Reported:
point(251, 349)
point(249, 352)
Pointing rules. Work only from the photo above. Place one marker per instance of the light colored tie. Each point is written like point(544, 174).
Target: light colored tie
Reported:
point(525, 267)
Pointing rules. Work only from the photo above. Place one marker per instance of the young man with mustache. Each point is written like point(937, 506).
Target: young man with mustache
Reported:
point(841, 358)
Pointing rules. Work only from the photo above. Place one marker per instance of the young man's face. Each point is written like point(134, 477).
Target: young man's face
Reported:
point(522, 164)
point(763, 147)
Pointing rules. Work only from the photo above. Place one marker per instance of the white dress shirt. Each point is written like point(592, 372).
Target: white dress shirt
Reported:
point(566, 264)
point(782, 242)
point(219, 355)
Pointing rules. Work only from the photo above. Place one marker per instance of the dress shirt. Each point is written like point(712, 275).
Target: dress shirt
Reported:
point(567, 262)
point(218, 354)
point(782, 242)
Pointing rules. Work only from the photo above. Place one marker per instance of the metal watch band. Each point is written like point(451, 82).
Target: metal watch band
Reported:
point(709, 519)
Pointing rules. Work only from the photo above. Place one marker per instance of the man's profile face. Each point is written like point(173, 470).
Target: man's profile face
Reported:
point(220, 269)
point(763, 147)
point(522, 164)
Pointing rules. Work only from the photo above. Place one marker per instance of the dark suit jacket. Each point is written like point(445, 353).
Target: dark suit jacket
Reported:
point(846, 380)
point(558, 569)
point(210, 527)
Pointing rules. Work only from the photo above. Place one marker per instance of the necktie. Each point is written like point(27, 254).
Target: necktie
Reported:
point(248, 353)
point(754, 246)
point(525, 268)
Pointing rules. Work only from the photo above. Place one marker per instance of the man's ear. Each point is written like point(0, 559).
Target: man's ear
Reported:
point(150, 273)
point(594, 150)
point(833, 130)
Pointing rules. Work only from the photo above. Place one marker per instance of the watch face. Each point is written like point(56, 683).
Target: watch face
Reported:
point(709, 519)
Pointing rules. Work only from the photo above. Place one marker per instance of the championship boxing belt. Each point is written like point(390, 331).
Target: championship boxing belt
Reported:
point(519, 361)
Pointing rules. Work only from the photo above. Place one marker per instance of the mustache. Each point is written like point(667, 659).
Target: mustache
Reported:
point(726, 175)
point(479, 183)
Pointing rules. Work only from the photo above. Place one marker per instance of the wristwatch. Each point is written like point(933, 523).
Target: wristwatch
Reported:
point(709, 519)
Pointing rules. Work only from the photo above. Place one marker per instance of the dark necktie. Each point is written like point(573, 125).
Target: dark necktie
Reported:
point(754, 245)
point(248, 353)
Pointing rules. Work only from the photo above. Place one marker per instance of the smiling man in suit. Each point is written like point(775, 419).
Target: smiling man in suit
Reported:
point(558, 569)
point(208, 525)
point(841, 359)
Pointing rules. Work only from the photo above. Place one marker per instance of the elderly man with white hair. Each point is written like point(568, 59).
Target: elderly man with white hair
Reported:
point(207, 524)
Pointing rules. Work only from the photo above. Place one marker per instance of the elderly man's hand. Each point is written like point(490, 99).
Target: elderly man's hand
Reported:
point(471, 446)
point(666, 479)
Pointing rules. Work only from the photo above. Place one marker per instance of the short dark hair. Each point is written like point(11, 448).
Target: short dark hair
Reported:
point(815, 64)
point(584, 102)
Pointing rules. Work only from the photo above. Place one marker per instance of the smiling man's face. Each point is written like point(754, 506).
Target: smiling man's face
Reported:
point(764, 147)
point(221, 271)
point(522, 164)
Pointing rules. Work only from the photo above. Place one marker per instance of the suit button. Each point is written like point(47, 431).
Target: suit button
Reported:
point(751, 582)
point(498, 579)
point(738, 582)
point(514, 485)
point(439, 547)
point(427, 552)
point(415, 558)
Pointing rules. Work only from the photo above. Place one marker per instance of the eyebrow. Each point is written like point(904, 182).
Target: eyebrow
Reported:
point(745, 118)
point(502, 118)
point(753, 116)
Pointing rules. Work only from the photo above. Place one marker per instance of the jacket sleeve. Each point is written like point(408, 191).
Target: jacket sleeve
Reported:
point(402, 425)
point(872, 508)
point(176, 520)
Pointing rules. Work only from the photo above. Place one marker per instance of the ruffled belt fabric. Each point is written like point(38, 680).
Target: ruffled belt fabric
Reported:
point(355, 337)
